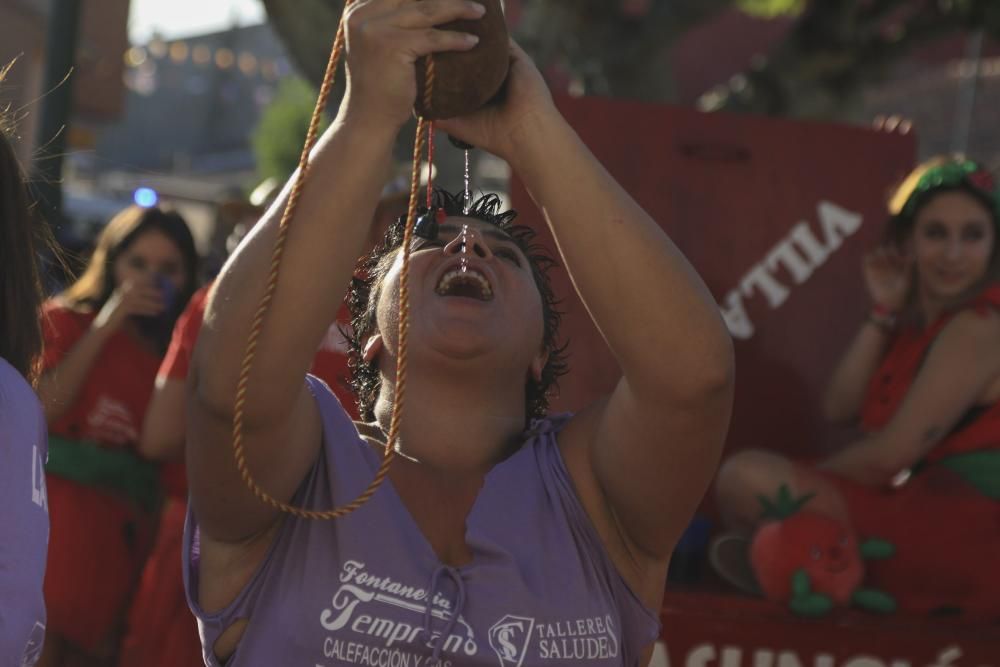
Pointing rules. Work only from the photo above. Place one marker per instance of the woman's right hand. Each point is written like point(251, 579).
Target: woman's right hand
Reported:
point(384, 39)
point(888, 275)
point(129, 299)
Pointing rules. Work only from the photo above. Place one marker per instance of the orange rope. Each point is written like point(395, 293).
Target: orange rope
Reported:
point(430, 163)
point(272, 282)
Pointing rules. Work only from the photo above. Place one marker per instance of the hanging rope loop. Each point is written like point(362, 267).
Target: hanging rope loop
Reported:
point(272, 282)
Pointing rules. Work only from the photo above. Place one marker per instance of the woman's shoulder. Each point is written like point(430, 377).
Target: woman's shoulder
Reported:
point(987, 301)
point(17, 399)
point(62, 326)
point(59, 310)
point(548, 425)
point(975, 327)
point(539, 447)
point(539, 455)
point(12, 380)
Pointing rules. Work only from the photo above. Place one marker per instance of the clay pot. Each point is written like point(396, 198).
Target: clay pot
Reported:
point(465, 81)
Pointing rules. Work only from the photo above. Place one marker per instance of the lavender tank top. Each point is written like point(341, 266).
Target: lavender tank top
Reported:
point(24, 520)
point(368, 589)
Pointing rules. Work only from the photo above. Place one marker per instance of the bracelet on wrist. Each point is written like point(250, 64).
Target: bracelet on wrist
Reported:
point(882, 310)
point(882, 317)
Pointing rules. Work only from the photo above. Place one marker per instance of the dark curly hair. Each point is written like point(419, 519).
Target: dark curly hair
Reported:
point(362, 299)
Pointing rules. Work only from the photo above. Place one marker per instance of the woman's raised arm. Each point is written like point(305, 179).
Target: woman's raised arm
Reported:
point(653, 445)
point(347, 169)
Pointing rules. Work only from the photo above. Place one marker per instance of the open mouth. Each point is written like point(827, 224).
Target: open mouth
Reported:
point(468, 283)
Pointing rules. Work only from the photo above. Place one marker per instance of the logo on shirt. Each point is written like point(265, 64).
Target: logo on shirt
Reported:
point(38, 494)
point(592, 638)
point(509, 639)
point(367, 606)
point(111, 421)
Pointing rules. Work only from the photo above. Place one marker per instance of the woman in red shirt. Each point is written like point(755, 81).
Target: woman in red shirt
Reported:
point(922, 377)
point(104, 339)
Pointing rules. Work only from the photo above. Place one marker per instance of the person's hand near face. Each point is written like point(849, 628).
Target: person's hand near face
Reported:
point(150, 259)
point(888, 274)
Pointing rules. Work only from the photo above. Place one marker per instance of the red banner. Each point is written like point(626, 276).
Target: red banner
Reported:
point(704, 630)
point(775, 216)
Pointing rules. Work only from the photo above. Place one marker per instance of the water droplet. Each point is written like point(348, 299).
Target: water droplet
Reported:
point(468, 189)
point(465, 248)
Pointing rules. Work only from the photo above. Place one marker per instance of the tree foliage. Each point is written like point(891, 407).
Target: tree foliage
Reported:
point(622, 48)
point(837, 46)
point(278, 138)
point(771, 8)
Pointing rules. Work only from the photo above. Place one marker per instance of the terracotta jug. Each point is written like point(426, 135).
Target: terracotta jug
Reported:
point(465, 81)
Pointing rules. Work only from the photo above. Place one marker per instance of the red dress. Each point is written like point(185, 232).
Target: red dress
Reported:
point(99, 539)
point(946, 532)
point(162, 631)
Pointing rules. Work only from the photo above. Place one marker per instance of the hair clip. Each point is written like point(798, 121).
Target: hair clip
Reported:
point(953, 174)
point(427, 226)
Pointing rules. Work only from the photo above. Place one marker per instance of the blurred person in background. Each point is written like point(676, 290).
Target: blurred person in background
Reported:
point(922, 377)
point(164, 427)
point(104, 339)
point(24, 521)
point(160, 629)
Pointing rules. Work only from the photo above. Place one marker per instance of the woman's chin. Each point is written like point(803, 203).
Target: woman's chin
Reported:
point(461, 344)
point(948, 290)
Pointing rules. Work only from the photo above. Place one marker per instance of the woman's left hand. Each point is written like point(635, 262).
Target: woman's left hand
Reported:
point(526, 99)
point(862, 462)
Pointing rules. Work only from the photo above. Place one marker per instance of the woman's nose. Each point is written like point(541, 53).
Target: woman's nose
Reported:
point(146, 274)
point(468, 242)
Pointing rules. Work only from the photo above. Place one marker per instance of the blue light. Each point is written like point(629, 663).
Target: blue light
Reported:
point(146, 197)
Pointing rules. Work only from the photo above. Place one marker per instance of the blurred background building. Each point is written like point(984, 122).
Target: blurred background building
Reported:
point(99, 92)
point(192, 105)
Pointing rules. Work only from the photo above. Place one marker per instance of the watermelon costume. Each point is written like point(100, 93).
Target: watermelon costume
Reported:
point(945, 520)
point(161, 630)
point(102, 496)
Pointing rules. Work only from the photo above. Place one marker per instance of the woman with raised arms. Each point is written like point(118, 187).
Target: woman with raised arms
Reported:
point(500, 533)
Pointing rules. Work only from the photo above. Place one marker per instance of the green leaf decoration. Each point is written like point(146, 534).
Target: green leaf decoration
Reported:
point(812, 605)
point(948, 174)
point(784, 505)
point(771, 8)
point(873, 600)
point(876, 549)
point(769, 508)
point(801, 586)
